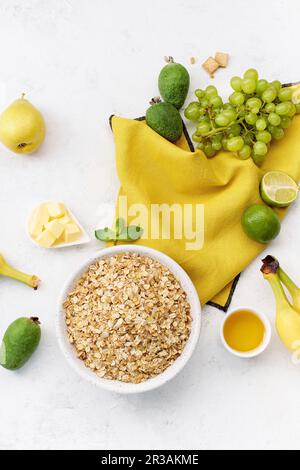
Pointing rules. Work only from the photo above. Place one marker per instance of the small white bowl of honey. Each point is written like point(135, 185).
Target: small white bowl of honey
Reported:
point(245, 332)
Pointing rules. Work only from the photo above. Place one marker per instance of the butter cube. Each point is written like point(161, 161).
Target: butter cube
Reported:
point(66, 219)
point(72, 233)
point(55, 227)
point(46, 239)
point(60, 240)
point(38, 220)
point(56, 210)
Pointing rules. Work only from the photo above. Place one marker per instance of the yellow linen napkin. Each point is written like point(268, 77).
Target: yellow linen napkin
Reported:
point(155, 171)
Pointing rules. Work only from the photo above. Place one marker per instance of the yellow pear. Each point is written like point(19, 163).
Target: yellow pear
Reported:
point(22, 127)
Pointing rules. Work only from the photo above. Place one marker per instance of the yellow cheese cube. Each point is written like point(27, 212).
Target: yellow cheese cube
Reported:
point(38, 220)
point(46, 239)
point(55, 227)
point(56, 210)
point(72, 233)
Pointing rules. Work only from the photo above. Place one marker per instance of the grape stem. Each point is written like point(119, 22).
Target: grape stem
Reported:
point(216, 130)
point(210, 117)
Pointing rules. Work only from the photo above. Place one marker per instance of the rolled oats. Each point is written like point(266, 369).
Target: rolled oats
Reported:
point(128, 318)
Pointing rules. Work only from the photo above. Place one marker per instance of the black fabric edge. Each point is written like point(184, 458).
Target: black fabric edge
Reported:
point(225, 307)
point(291, 84)
point(142, 118)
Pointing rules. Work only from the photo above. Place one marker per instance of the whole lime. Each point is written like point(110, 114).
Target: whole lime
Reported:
point(261, 223)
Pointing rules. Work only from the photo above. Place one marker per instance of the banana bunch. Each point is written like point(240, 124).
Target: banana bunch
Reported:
point(287, 313)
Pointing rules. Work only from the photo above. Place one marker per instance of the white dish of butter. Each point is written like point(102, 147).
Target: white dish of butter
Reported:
point(53, 225)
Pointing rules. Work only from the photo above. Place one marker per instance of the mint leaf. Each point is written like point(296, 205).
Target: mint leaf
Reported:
point(105, 234)
point(122, 233)
point(134, 232)
point(120, 226)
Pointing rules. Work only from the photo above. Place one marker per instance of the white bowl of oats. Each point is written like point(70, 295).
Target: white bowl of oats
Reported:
point(128, 319)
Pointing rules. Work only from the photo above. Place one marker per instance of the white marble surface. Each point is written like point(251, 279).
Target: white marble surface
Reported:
point(79, 62)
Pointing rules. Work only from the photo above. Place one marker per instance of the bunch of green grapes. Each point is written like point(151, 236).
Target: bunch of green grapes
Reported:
point(257, 112)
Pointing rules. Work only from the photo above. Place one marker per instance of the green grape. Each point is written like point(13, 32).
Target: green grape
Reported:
point(192, 112)
point(270, 107)
point(196, 137)
point(285, 94)
point(251, 73)
point(292, 108)
point(235, 144)
point(251, 118)
point(261, 124)
point(204, 117)
point(204, 103)
point(274, 119)
point(269, 94)
point(271, 129)
point(286, 121)
point(242, 110)
point(203, 127)
point(256, 112)
point(225, 143)
point(276, 84)
point(282, 109)
point(245, 152)
point(221, 120)
point(199, 93)
point(236, 83)
point(261, 86)
point(230, 114)
point(263, 136)
point(208, 150)
point(258, 159)
point(202, 111)
point(248, 139)
point(260, 148)
point(216, 143)
point(228, 106)
point(211, 91)
point(216, 101)
point(248, 85)
point(254, 103)
point(237, 98)
point(234, 130)
point(278, 133)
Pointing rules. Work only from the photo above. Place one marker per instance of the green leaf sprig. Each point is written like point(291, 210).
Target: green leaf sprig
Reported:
point(121, 232)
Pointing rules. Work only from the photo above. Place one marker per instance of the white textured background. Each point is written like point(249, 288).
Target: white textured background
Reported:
point(79, 62)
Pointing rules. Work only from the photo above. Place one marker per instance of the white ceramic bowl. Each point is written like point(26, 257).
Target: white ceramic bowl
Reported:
point(170, 372)
point(254, 352)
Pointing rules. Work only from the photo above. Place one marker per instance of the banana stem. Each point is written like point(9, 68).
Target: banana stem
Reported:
point(288, 282)
point(9, 271)
point(291, 286)
point(281, 298)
